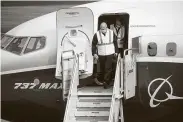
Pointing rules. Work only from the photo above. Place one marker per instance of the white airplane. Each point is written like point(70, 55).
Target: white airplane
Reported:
point(153, 41)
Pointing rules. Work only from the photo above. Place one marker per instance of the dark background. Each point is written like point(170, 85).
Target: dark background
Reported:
point(14, 13)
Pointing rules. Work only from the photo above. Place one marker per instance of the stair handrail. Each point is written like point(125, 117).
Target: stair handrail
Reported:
point(74, 77)
point(73, 88)
point(63, 70)
point(115, 102)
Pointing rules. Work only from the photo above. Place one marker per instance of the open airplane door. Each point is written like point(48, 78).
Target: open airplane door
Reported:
point(74, 37)
point(130, 73)
point(75, 28)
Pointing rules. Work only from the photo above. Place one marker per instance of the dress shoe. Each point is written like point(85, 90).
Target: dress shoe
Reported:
point(106, 85)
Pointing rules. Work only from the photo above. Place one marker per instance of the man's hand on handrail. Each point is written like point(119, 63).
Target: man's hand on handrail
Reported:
point(95, 56)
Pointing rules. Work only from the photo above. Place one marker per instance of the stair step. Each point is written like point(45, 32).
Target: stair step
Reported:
point(88, 120)
point(93, 99)
point(94, 102)
point(86, 111)
point(95, 91)
point(92, 119)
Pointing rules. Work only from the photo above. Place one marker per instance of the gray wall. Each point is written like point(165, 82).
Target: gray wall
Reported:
point(15, 13)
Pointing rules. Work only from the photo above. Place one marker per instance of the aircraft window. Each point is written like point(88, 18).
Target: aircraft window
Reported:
point(17, 45)
point(171, 49)
point(5, 40)
point(152, 49)
point(35, 43)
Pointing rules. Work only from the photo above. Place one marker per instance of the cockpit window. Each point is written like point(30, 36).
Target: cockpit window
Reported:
point(5, 40)
point(35, 43)
point(17, 45)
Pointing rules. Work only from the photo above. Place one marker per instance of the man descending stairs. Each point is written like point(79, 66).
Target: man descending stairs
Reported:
point(92, 103)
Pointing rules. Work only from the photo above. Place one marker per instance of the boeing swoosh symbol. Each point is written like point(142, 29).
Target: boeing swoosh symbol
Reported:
point(170, 95)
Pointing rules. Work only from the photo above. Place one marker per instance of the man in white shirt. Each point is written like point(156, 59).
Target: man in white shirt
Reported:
point(104, 48)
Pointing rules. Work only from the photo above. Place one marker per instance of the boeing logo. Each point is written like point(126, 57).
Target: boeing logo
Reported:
point(169, 95)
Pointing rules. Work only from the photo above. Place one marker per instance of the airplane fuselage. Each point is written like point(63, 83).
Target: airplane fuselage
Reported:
point(32, 82)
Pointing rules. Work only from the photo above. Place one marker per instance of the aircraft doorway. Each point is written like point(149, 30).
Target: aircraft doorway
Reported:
point(110, 19)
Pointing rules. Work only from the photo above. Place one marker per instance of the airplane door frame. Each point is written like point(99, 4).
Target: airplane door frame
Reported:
point(126, 18)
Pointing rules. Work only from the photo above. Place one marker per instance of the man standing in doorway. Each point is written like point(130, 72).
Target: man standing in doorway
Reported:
point(104, 48)
point(119, 31)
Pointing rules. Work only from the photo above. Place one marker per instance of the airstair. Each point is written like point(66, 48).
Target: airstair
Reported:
point(94, 103)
